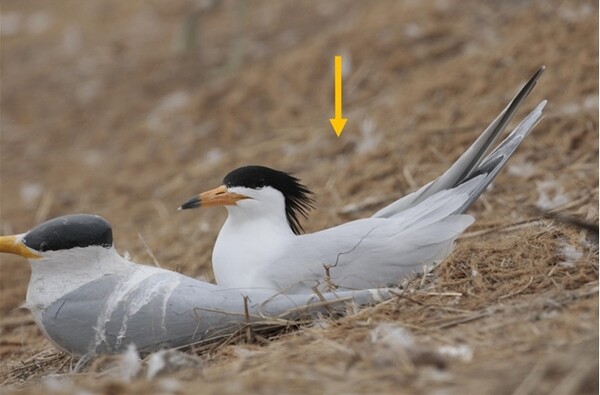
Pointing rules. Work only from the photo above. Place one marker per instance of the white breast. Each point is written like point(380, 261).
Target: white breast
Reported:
point(243, 251)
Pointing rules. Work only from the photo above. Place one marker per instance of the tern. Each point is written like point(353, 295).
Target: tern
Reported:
point(261, 244)
point(88, 300)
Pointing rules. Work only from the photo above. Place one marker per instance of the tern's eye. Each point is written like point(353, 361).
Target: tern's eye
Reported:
point(260, 183)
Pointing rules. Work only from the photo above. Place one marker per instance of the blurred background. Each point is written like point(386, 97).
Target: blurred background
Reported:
point(127, 108)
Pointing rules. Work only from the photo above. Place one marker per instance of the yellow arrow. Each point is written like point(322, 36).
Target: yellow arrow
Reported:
point(338, 122)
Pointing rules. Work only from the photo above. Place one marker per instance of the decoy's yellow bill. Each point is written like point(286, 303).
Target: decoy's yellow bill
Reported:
point(13, 245)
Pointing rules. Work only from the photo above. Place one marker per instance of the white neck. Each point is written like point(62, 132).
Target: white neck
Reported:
point(60, 272)
point(249, 221)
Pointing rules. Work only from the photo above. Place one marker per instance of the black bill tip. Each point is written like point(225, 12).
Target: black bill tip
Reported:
point(192, 203)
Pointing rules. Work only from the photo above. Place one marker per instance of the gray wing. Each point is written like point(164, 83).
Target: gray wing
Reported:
point(372, 252)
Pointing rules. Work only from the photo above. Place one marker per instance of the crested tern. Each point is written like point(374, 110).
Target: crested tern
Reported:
point(261, 244)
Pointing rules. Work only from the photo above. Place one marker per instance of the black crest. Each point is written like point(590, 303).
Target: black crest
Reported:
point(69, 231)
point(297, 196)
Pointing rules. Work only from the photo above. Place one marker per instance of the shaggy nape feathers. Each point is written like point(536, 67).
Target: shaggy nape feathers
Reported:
point(298, 201)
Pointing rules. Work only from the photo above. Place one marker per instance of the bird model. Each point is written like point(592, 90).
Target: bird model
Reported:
point(261, 244)
point(88, 300)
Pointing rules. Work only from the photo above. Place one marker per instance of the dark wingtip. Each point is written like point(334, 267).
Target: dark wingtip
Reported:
point(192, 203)
point(537, 74)
point(528, 87)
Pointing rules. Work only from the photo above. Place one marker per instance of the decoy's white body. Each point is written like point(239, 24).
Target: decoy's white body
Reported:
point(260, 245)
point(88, 300)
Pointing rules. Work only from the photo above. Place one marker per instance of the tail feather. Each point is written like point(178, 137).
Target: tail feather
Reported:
point(469, 163)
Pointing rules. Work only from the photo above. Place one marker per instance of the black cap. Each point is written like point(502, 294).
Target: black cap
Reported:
point(69, 231)
point(297, 196)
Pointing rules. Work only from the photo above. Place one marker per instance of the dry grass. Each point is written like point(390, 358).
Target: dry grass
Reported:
point(103, 113)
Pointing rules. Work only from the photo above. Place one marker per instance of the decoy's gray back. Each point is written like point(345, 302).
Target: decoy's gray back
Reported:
point(89, 300)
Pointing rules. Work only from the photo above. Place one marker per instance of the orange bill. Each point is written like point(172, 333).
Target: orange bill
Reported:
point(215, 197)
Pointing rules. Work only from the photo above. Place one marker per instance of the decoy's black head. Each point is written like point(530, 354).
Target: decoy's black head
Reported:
point(298, 200)
point(62, 233)
point(70, 231)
